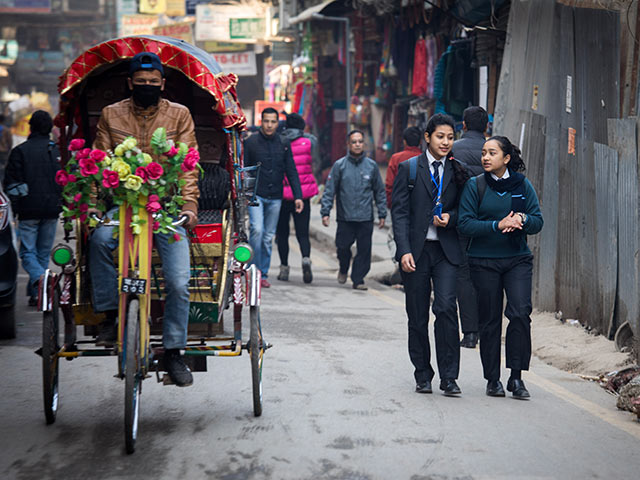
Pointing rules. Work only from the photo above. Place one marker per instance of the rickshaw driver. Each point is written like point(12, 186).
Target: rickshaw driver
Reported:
point(139, 116)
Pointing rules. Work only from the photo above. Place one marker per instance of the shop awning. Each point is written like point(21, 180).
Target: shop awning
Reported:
point(307, 14)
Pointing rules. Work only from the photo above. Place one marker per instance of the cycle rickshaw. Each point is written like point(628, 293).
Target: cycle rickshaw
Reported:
point(221, 276)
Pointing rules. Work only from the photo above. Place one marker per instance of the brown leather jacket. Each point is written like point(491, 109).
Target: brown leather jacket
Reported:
point(125, 119)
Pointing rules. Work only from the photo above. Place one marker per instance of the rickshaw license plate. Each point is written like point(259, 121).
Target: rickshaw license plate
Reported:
point(134, 285)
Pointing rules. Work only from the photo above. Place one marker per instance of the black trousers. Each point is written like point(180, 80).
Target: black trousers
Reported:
point(492, 277)
point(346, 234)
point(432, 266)
point(466, 293)
point(301, 224)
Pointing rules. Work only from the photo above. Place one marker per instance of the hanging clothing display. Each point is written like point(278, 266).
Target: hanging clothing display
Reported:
point(419, 84)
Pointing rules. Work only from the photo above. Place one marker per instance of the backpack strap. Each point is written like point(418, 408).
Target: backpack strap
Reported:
point(481, 185)
point(413, 172)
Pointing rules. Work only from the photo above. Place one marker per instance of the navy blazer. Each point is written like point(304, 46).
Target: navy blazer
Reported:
point(411, 211)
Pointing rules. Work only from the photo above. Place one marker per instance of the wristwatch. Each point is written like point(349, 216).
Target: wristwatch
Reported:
point(523, 217)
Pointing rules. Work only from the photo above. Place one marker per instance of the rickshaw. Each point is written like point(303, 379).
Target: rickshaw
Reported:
point(221, 274)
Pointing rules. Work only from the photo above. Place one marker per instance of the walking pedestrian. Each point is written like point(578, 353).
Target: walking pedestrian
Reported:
point(356, 184)
point(36, 197)
point(274, 154)
point(411, 141)
point(303, 146)
point(426, 193)
point(498, 209)
point(6, 143)
point(468, 150)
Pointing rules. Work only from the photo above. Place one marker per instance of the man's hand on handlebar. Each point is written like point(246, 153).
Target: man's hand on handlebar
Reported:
point(192, 219)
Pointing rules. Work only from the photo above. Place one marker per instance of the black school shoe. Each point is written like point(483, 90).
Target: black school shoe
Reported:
point(495, 388)
point(177, 370)
point(469, 340)
point(519, 391)
point(449, 387)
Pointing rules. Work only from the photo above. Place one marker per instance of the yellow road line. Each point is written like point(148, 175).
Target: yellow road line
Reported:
point(386, 298)
point(611, 417)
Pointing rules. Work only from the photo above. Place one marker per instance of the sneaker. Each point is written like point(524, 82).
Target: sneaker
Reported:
point(283, 276)
point(264, 283)
point(177, 370)
point(307, 276)
point(360, 286)
point(107, 334)
point(342, 277)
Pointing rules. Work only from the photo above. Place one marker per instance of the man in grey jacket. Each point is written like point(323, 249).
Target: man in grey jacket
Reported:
point(356, 183)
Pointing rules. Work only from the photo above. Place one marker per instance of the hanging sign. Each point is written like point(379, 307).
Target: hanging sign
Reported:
point(571, 149)
point(218, 47)
point(242, 64)
point(534, 101)
point(182, 31)
point(569, 95)
point(212, 21)
point(153, 6)
point(25, 6)
point(176, 8)
point(138, 24)
point(247, 28)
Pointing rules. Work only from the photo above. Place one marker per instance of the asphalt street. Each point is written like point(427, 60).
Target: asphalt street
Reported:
point(339, 403)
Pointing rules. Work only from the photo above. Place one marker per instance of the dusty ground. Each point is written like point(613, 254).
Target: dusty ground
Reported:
point(572, 349)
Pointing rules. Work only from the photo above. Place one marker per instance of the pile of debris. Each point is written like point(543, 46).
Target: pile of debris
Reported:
point(626, 385)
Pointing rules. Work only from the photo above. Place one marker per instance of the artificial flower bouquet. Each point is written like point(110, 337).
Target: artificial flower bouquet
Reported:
point(127, 175)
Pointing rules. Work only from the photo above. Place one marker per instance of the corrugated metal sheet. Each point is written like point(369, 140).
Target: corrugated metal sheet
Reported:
point(622, 137)
point(606, 168)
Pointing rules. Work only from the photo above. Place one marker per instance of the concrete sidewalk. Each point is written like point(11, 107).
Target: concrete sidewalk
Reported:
point(382, 267)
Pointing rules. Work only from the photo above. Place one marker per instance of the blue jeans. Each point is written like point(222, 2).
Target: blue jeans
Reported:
point(36, 240)
point(175, 266)
point(264, 221)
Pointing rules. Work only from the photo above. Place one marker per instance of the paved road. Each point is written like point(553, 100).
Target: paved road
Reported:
point(339, 404)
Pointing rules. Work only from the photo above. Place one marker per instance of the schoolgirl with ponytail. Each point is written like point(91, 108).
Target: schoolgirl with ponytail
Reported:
point(498, 210)
point(424, 207)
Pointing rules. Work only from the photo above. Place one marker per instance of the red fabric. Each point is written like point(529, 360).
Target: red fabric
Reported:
point(419, 84)
point(392, 168)
point(298, 97)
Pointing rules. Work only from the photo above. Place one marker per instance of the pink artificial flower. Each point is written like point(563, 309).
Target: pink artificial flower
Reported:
point(84, 153)
point(84, 208)
point(62, 178)
point(156, 226)
point(190, 160)
point(110, 179)
point(142, 173)
point(97, 155)
point(154, 198)
point(88, 167)
point(77, 197)
point(176, 237)
point(72, 178)
point(76, 144)
point(172, 152)
point(153, 207)
point(154, 171)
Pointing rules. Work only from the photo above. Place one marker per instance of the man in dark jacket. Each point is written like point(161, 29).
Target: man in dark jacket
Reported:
point(31, 171)
point(356, 183)
point(468, 151)
point(274, 154)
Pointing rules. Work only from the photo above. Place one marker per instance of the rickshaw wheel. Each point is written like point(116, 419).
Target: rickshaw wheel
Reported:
point(132, 376)
point(256, 353)
point(50, 364)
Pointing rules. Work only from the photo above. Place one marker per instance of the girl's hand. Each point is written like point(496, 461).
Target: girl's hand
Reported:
point(407, 263)
point(510, 223)
point(441, 221)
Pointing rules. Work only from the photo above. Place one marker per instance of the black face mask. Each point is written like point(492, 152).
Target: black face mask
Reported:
point(146, 95)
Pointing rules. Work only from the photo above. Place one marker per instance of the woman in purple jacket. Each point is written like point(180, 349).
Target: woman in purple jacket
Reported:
point(302, 147)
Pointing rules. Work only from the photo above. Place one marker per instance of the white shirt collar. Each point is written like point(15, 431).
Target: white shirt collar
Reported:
point(432, 159)
point(504, 176)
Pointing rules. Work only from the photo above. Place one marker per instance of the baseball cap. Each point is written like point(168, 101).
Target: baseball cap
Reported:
point(145, 61)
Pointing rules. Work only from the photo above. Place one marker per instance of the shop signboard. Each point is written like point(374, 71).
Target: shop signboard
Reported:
point(182, 31)
point(190, 5)
point(261, 105)
point(176, 8)
point(138, 25)
point(247, 28)
point(217, 47)
point(25, 6)
point(155, 7)
point(212, 21)
point(242, 64)
point(126, 7)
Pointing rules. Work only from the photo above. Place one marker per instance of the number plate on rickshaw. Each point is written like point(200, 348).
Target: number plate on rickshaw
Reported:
point(134, 285)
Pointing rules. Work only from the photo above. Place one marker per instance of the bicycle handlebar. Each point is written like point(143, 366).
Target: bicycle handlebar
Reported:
point(115, 223)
